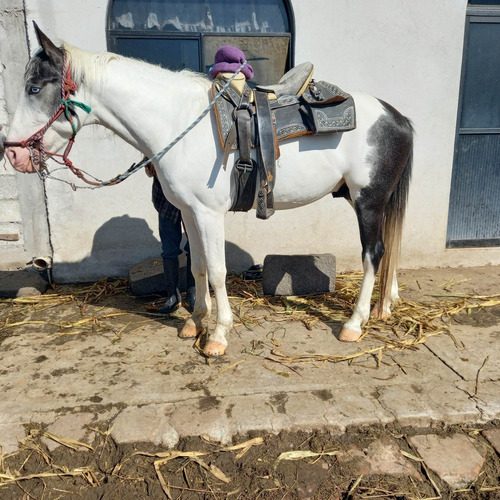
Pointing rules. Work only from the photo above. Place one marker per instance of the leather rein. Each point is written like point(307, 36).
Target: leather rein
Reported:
point(35, 142)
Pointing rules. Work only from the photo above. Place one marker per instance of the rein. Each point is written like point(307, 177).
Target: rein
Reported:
point(35, 142)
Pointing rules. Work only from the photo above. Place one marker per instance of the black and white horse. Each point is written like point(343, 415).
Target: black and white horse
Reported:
point(147, 106)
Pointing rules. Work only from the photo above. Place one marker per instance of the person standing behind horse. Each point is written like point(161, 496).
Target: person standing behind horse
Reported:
point(170, 228)
point(227, 59)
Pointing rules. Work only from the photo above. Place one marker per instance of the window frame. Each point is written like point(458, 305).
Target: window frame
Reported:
point(113, 34)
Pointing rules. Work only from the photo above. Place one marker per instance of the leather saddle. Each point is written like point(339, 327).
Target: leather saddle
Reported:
point(261, 118)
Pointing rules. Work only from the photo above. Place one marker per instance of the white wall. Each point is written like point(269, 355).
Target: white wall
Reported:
point(406, 52)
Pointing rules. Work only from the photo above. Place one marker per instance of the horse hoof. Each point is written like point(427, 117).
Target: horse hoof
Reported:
point(190, 331)
point(214, 349)
point(378, 314)
point(348, 335)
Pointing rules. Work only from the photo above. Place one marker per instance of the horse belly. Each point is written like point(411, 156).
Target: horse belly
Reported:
point(307, 170)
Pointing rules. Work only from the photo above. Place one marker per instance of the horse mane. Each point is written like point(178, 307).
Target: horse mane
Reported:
point(90, 68)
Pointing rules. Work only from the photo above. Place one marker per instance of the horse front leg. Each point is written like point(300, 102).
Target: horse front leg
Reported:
point(203, 304)
point(211, 230)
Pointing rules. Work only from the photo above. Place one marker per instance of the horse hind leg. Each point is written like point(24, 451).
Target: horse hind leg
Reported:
point(392, 298)
point(381, 208)
point(370, 216)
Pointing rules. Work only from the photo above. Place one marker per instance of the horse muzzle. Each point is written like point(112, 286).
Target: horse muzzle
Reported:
point(20, 159)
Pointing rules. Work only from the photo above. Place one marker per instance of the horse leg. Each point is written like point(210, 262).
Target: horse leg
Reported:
point(210, 227)
point(385, 312)
point(203, 304)
point(370, 218)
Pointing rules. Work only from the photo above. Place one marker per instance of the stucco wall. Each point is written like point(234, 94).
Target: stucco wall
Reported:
point(405, 52)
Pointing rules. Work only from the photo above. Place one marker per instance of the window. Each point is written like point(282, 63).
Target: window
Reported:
point(180, 34)
point(484, 2)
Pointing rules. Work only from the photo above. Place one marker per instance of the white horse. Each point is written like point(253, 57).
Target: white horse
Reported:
point(147, 106)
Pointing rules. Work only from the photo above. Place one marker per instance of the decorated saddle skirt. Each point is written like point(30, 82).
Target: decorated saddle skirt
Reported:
point(322, 109)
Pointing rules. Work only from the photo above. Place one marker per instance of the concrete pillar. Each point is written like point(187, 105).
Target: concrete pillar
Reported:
point(24, 231)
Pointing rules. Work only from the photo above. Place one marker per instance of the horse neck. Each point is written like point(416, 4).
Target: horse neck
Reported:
point(145, 105)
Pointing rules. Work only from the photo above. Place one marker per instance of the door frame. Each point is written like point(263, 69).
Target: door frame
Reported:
point(475, 14)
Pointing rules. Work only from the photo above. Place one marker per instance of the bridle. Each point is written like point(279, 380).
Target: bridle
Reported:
point(34, 143)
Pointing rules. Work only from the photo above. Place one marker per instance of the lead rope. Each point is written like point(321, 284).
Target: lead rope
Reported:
point(158, 156)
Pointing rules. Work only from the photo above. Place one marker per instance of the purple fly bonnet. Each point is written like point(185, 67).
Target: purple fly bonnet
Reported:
point(228, 59)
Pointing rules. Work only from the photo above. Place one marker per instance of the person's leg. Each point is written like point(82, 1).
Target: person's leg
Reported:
point(190, 284)
point(170, 236)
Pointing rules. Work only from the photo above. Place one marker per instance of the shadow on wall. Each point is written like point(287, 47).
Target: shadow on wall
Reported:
point(124, 241)
point(118, 243)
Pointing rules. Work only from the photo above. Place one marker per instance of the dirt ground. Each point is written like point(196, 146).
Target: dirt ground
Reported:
point(204, 470)
point(254, 467)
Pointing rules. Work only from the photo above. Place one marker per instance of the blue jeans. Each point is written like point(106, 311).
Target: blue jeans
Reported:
point(171, 236)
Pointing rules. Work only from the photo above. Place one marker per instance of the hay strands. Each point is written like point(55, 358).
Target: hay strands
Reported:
point(193, 456)
point(92, 293)
point(244, 447)
point(69, 443)
point(84, 472)
point(318, 358)
point(303, 454)
point(64, 324)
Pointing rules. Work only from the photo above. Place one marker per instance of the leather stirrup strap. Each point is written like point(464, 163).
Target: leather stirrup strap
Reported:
point(265, 131)
point(267, 155)
point(244, 167)
point(243, 122)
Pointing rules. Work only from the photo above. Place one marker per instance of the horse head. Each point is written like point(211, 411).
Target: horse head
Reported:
point(45, 118)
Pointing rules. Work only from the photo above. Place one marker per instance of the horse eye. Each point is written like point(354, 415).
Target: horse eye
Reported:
point(34, 90)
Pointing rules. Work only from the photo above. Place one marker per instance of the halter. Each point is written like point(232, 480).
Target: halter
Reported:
point(35, 142)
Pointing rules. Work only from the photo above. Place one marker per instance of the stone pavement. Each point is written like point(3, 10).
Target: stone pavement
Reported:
point(148, 385)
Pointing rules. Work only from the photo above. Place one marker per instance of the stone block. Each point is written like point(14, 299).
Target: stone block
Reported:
point(454, 459)
point(9, 232)
point(21, 283)
point(493, 436)
point(10, 435)
point(298, 274)
point(382, 456)
point(73, 427)
point(146, 278)
point(147, 424)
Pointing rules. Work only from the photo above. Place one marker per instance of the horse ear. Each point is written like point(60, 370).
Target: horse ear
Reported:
point(54, 53)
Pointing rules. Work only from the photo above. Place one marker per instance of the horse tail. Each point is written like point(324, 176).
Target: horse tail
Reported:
point(392, 227)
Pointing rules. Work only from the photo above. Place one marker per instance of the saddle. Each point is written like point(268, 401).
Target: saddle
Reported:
point(262, 118)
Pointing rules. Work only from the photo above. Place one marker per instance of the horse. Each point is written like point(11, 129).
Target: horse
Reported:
point(144, 104)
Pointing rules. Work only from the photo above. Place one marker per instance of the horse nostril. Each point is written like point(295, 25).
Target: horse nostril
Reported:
point(11, 155)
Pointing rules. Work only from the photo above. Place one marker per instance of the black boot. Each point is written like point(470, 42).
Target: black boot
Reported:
point(171, 272)
point(190, 285)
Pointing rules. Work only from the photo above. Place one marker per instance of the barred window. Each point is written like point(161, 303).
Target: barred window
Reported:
point(180, 34)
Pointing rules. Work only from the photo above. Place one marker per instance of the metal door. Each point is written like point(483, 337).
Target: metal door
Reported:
point(474, 216)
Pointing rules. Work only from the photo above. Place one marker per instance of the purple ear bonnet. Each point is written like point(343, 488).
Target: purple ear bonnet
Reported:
point(228, 59)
